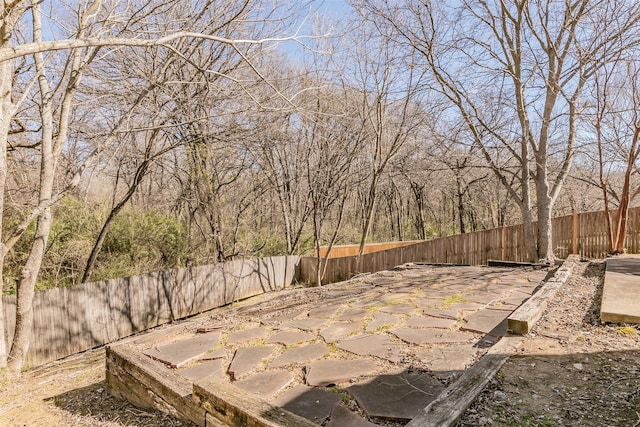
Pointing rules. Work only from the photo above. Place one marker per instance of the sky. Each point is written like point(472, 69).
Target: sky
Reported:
point(331, 10)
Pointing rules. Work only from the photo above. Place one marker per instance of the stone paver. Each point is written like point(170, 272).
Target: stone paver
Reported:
point(447, 313)
point(179, 353)
point(341, 334)
point(483, 298)
point(203, 370)
point(491, 322)
point(219, 353)
point(314, 404)
point(283, 317)
point(427, 336)
point(266, 384)
point(343, 417)
point(399, 309)
point(309, 324)
point(382, 321)
point(325, 312)
point(300, 354)
point(445, 359)
point(466, 306)
point(373, 345)
point(430, 322)
point(339, 330)
point(248, 358)
point(353, 314)
point(426, 303)
point(396, 397)
point(327, 372)
point(290, 337)
point(247, 335)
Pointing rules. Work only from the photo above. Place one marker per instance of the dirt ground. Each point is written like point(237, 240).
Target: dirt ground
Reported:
point(571, 371)
point(70, 392)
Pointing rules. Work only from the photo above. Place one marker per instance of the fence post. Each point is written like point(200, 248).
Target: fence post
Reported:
point(504, 242)
point(574, 237)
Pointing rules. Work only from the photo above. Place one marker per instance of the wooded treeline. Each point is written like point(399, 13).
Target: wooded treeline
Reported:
point(140, 136)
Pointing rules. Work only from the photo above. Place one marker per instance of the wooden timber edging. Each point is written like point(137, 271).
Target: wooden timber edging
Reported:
point(454, 400)
point(235, 407)
point(445, 410)
point(524, 317)
point(148, 384)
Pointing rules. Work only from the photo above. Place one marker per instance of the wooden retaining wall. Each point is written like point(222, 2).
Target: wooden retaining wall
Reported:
point(72, 319)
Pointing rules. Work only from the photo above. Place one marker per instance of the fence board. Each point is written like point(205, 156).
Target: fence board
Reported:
point(70, 320)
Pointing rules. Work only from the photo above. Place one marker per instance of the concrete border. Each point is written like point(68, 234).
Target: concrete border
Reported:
point(621, 291)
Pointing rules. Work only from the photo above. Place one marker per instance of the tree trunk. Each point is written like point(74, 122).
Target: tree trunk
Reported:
point(366, 228)
point(26, 286)
point(5, 121)
point(26, 292)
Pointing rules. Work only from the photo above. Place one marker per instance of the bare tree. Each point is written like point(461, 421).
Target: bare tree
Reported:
point(617, 129)
point(515, 72)
point(387, 80)
point(98, 27)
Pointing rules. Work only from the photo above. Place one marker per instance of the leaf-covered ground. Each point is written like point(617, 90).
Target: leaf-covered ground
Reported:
point(572, 370)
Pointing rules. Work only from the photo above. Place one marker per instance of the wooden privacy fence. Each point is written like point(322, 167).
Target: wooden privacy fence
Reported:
point(580, 233)
point(351, 250)
point(72, 319)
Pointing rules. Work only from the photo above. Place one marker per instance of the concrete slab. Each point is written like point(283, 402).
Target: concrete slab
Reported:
point(312, 403)
point(247, 359)
point(290, 337)
point(203, 370)
point(340, 330)
point(396, 397)
point(179, 353)
point(430, 322)
point(300, 354)
point(380, 346)
point(323, 373)
point(266, 384)
point(343, 417)
point(489, 322)
point(247, 335)
point(621, 291)
point(431, 336)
